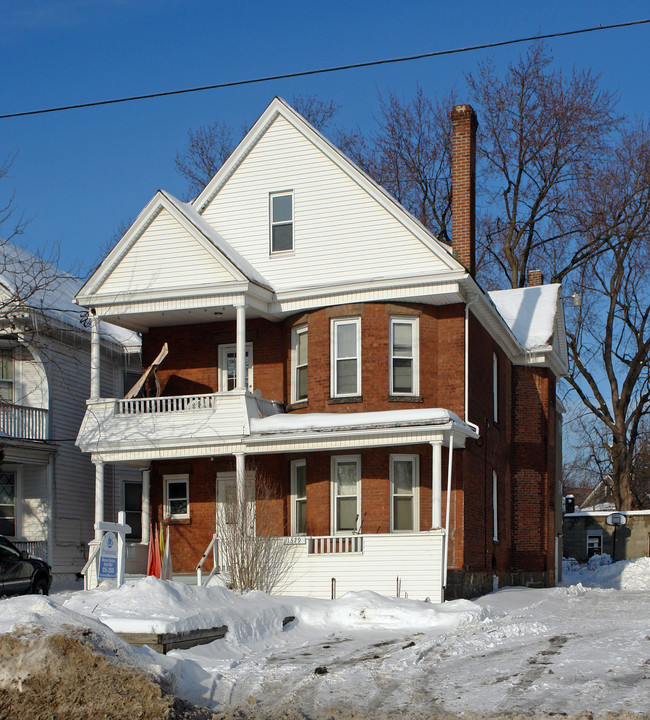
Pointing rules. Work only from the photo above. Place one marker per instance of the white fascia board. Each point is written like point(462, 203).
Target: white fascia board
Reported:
point(355, 173)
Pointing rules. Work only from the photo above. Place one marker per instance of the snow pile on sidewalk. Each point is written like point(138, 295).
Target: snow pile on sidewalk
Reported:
point(601, 572)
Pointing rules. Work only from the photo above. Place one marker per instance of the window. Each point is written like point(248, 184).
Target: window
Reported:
point(281, 222)
point(594, 542)
point(495, 514)
point(298, 497)
point(228, 367)
point(6, 376)
point(299, 360)
point(8, 503)
point(346, 357)
point(495, 387)
point(133, 509)
point(177, 496)
point(404, 483)
point(404, 356)
point(345, 493)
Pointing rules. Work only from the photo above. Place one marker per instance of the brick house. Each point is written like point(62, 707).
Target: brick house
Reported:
point(317, 334)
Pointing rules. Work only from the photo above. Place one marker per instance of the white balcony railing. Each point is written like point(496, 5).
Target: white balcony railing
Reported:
point(177, 403)
point(22, 422)
point(329, 545)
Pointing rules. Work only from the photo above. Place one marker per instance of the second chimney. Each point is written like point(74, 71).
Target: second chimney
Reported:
point(535, 278)
point(463, 184)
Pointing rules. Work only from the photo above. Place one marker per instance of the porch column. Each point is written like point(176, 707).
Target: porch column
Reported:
point(95, 374)
point(240, 475)
point(241, 348)
point(146, 520)
point(436, 484)
point(99, 496)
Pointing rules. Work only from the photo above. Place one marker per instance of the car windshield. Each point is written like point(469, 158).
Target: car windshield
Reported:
point(8, 550)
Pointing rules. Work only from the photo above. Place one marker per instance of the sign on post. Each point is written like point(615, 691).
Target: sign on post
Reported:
point(115, 548)
point(108, 557)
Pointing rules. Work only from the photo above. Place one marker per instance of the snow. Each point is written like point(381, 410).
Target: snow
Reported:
point(529, 312)
point(583, 646)
point(318, 422)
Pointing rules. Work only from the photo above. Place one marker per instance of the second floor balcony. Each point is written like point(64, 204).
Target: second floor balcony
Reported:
point(23, 423)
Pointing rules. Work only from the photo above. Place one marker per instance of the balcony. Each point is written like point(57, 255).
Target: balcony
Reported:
point(23, 423)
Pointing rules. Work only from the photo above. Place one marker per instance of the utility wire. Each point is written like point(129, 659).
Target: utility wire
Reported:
point(321, 71)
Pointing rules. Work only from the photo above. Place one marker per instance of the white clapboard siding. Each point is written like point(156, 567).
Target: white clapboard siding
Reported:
point(341, 233)
point(30, 381)
point(411, 562)
point(165, 257)
point(34, 511)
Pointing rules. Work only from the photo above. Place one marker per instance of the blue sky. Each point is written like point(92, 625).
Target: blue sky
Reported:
point(81, 173)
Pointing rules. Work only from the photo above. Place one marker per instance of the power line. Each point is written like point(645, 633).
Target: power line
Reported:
point(321, 71)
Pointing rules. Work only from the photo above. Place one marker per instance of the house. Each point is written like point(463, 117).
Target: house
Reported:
point(46, 483)
point(302, 326)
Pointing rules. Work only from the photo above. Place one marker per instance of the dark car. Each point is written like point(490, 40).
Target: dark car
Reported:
point(21, 573)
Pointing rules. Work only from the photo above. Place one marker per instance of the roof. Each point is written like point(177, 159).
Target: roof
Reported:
point(50, 291)
point(530, 313)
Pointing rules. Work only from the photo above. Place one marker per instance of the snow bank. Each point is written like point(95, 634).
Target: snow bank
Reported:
point(601, 572)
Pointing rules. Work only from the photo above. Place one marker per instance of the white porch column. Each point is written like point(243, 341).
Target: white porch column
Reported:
point(240, 474)
point(146, 490)
point(99, 496)
point(95, 369)
point(436, 484)
point(241, 348)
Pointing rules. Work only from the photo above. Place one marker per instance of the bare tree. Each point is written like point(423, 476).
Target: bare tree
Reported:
point(609, 337)
point(12, 222)
point(252, 553)
point(209, 146)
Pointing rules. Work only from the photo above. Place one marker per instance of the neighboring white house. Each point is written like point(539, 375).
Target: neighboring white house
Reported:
point(46, 483)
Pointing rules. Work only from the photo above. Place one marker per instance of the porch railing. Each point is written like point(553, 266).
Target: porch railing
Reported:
point(176, 403)
point(330, 545)
point(37, 548)
point(23, 422)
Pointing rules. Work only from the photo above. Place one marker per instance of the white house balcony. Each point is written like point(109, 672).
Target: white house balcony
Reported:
point(22, 422)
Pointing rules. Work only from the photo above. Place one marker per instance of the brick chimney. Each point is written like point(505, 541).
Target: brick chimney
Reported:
point(463, 184)
point(535, 278)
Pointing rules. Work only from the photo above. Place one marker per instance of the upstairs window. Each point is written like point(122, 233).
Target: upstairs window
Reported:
point(300, 356)
point(6, 376)
point(281, 222)
point(346, 357)
point(404, 356)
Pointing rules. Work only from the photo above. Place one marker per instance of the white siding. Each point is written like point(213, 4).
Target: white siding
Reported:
point(340, 232)
point(165, 256)
point(35, 506)
point(30, 381)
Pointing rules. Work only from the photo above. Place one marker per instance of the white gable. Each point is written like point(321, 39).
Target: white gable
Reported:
point(342, 232)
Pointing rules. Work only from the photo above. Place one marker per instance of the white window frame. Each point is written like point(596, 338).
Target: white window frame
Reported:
point(594, 534)
point(415, 354)
point(495, 388)
point(335, 323)
point(223, 351)
point(495, 507)
point(415, 462)
point(296, 334)
point(295, 465)
point(167, 479)
point(131, 537)
point(8, 360)
point(16, 471)
point(336, 461)
point(276, 223)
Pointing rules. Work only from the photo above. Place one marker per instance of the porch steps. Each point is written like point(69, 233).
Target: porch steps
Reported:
point(164, 642)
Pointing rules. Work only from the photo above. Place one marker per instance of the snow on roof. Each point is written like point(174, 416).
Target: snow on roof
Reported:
point(213, 236)
point(530, 312)
point(328, 422)
point(21, 269)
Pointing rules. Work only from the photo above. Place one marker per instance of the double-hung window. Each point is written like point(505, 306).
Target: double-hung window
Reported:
point(346, 357)
point(299, 340)
point(281, 221)
point(346, 495)
point(403, 356)
point(6, 376)
point(177, 497)
point(404, 483)
point(298, 497)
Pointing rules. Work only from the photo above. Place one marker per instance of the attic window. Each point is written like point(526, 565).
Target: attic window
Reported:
point(281, 222)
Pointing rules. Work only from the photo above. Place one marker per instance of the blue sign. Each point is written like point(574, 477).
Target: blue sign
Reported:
point(108, 557)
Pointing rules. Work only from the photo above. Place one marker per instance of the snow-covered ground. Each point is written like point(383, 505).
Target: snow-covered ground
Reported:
point(582, 646)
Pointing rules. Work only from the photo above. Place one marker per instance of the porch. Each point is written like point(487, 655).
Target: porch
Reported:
point(22, 422)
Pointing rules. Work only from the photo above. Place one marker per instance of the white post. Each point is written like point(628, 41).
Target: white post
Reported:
point(146, 520)
point(240, 474)
point(121, 519)
point(436, 484)
point(99, 496)
point(240, 365)
point(95, 369)
point(450, 468)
